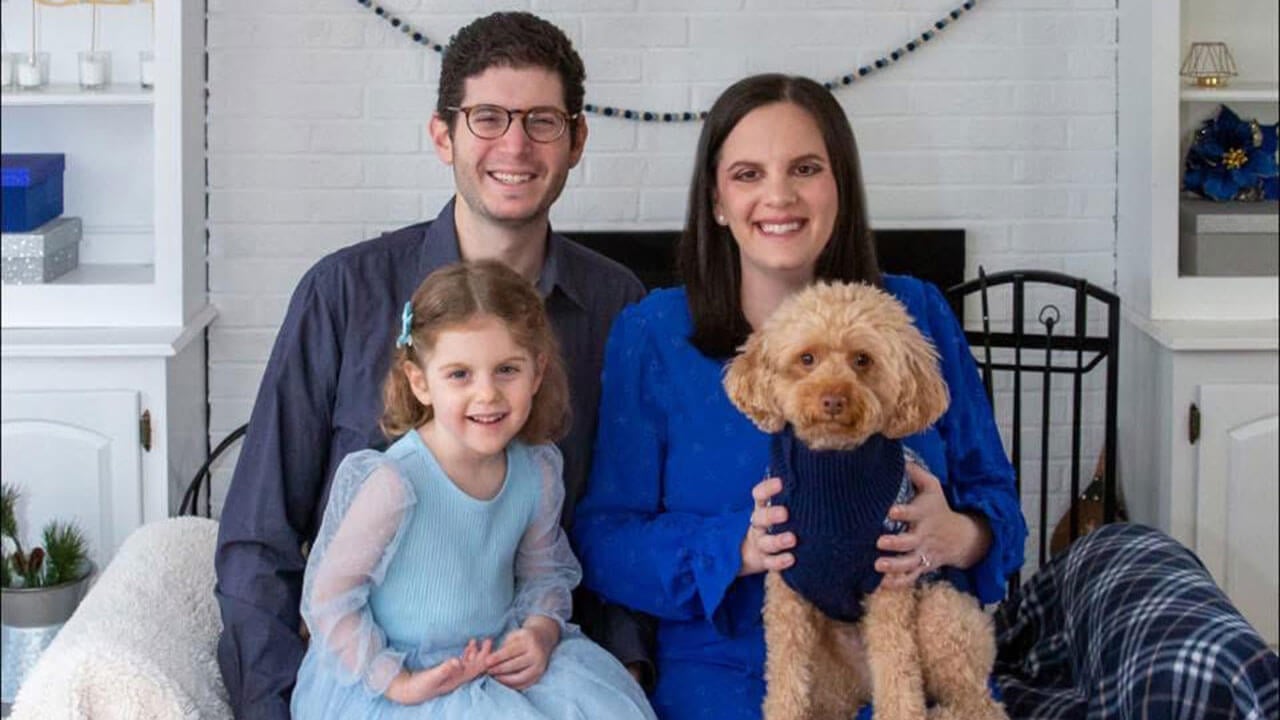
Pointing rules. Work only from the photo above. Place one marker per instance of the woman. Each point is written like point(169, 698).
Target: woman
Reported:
point(672, 522)
point(668, 525)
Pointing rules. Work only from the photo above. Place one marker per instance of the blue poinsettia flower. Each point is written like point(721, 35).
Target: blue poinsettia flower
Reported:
point(1233, 159)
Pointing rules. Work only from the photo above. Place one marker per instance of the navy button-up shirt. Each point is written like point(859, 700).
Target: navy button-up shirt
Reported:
point(320, 399)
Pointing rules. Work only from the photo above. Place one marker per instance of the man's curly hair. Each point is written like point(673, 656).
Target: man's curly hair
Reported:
point(514, 40)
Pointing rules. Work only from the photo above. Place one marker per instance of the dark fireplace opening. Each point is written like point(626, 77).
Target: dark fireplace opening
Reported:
point(933, 255)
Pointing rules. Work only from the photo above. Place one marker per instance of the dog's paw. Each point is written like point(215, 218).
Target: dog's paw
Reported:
point(989, 710)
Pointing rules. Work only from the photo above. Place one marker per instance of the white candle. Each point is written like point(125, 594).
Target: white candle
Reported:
point(92, 73)
point(29, 73)
point(147, 70)
point(95, 70)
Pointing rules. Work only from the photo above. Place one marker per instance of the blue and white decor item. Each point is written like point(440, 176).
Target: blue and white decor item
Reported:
point(848, 78)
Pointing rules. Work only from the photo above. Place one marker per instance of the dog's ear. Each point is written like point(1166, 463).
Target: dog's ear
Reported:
point(923, 397)
point(751, 382)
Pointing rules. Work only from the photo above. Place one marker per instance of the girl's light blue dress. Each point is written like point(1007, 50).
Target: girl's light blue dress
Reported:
point(407, 568)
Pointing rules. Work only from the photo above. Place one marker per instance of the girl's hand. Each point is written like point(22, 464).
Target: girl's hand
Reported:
point(760, 550)
point(524, 654)
point(413, 688)
point(935, 536)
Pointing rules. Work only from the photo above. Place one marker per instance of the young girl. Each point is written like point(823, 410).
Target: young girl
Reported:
point(439, 584)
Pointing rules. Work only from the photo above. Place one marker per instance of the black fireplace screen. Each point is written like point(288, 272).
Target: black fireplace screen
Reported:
point(933, 255)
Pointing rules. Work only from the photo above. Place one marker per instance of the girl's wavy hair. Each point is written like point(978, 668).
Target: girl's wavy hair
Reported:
point(454, 295)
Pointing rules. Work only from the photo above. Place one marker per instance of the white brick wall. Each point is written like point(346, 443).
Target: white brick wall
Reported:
point(1003, 126)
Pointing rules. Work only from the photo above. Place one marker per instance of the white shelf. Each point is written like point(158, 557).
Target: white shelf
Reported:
point(108, 274)
point(1210, 335)
point(103, 341)
point(1235, 92)
point(73, 95)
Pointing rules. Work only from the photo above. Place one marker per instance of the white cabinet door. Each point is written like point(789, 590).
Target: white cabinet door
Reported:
point(76, 456)
point(1237, 520)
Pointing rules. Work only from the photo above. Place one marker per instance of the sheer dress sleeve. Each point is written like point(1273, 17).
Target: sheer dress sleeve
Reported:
point(369, 504)
point(546, 570)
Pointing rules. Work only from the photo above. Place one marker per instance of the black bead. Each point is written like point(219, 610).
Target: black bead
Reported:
point(968, 5)
point(379, 10)
point(881, 63)
point(608, 112)
point(895, 55)
point(666, 117)
point(628, 114)
point(395, 22)
point(955, 14)
point(940, 24)
point(688, 116)
point(864, 70)
point(847, 79)
point(437, 47)
point(417, 37)
point(911, 46)
point(648, 116)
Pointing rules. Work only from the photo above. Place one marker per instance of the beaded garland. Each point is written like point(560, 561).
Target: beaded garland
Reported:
point(689, 116)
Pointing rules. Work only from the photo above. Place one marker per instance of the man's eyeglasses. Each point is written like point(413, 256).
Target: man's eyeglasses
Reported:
point(490, 122)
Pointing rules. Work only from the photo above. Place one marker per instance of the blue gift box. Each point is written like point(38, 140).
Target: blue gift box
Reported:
point(32, 190)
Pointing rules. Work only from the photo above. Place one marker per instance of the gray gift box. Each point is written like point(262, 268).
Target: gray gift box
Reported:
point(1233, 239)
point(40, 255)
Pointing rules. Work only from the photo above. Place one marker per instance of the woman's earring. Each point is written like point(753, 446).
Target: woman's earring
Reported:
point(720, 219)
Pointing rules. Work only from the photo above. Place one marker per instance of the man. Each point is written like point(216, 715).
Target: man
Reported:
point(508, 120)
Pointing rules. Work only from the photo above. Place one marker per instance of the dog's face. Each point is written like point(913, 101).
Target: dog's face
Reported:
point(840, 362)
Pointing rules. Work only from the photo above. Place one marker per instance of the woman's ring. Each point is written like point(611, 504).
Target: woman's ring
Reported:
point(924, 561)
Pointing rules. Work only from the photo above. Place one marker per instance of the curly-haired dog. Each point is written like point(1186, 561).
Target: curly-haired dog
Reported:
point(839, 374)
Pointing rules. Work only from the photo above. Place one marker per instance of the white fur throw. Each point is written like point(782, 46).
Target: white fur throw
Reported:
point(142, 643)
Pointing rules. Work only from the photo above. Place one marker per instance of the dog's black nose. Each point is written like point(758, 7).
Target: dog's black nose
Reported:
point(832, 404)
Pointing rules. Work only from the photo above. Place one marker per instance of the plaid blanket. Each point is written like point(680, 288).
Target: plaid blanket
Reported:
point(1128, 624)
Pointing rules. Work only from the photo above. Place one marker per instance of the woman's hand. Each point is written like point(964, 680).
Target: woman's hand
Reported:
point(935, 536)
point(524, 654)
point(760, 550)
point(413, 688)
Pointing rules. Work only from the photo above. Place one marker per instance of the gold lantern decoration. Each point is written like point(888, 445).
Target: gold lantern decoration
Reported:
point(1209, 64)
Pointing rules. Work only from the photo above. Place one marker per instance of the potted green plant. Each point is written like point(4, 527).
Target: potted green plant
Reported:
point(41, 588)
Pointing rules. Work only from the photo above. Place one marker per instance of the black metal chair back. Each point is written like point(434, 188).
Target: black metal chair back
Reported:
point(203, 480)
point(1030, 348)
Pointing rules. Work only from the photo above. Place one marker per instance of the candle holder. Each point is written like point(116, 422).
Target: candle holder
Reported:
point(95, 69)
point(32, 70)
point(1209, 64)
point(7, 63)
point(147, 69)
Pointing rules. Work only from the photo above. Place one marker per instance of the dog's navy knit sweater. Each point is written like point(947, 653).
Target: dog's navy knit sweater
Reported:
point(837, 505)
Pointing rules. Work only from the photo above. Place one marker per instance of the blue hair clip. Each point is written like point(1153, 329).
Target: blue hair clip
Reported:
point(406, 326)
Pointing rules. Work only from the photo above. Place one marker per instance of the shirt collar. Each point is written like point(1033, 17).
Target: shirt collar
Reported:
point(440, 248)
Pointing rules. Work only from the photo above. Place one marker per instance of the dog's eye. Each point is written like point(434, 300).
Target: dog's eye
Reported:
point(806, 359)
point(862, 360)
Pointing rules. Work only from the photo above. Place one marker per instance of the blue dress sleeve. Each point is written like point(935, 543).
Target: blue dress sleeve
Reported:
point(673, 565)
point(370, 504)
point(545, 568)
point(980, 477)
